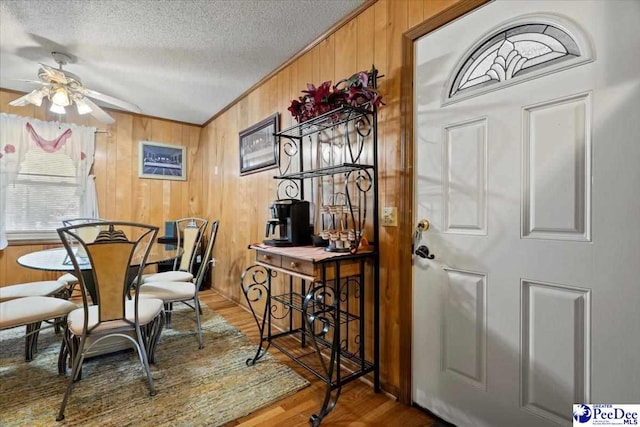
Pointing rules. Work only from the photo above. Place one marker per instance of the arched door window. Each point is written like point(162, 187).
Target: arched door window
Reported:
point(515, 52)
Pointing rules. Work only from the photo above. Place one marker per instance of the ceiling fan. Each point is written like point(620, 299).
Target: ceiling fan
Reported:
point(64, 89)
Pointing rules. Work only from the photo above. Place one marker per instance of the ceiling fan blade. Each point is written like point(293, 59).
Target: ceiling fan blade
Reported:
point(22, 101)
point(34, 97)
point(40, 82)
point(111, 100)
point(96, 111)
point(53, 73)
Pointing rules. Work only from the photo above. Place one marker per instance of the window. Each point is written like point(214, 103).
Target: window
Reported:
point(525, 48)
point(44, 192)
point(44, 177)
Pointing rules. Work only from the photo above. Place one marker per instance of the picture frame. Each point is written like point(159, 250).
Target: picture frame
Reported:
point(158, 160)
point(259, 148)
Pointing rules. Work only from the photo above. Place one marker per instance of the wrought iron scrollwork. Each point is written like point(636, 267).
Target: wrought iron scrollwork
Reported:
point(320, 306)
point(363, 180)
point(290, 150)
point(288, 189)
point(361, 130)
point(255, 282)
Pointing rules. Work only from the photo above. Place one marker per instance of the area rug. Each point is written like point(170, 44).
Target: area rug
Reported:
point(207, 387)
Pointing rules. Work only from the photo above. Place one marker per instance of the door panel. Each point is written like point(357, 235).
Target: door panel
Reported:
point(555, 348)
point(465, 178)
point(464, 335)
point(556, 169)
point(531, 192)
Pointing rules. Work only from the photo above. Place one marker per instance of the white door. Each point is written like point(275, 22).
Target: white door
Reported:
point(532, 189)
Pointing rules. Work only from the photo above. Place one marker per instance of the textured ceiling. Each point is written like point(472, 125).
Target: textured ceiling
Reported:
point(183, 60)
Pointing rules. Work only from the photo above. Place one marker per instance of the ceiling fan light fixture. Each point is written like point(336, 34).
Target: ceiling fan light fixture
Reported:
point(60, 97)
point(83, 107)
point(62, 89)
point(55, 108)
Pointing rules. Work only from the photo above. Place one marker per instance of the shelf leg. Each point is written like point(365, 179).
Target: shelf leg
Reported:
point(330, 400)
point(256, 287)
point(328, 316)
point(303, 317)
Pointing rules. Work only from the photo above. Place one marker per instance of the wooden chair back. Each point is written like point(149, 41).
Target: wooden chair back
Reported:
point(115, 256)
point(189, 235)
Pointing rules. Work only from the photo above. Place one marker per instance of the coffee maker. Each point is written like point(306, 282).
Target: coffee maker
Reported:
point(289, 225)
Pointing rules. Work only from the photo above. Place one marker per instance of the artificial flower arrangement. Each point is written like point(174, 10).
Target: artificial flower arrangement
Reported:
point(355, 91)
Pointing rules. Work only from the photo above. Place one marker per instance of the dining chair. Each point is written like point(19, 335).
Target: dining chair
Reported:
point(189, 232)
point(69, 278)
point(43, 288)
point(184, 292)
point(116, 254)
point(31, 311)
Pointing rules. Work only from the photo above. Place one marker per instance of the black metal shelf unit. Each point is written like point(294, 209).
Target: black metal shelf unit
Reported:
point(318, 317)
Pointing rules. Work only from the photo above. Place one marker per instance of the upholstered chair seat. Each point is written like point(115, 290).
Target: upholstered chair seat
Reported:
point(27, 310)
point(31, 311)
point(70, 280)
point(32, 289)
point(169, 291)
point(168, 276)
point(147, 312)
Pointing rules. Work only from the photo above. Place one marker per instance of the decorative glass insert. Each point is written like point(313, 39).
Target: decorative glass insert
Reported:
point(513, 52)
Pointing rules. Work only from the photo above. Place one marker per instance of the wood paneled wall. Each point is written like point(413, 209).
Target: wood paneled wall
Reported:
point(215, 189)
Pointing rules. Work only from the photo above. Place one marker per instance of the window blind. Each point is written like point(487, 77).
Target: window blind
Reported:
point(44, 193)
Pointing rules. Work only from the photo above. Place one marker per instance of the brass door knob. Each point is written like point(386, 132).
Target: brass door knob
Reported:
point(294, 264)
point(423, 225)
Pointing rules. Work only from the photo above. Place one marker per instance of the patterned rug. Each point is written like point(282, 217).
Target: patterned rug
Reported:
point(207, 387)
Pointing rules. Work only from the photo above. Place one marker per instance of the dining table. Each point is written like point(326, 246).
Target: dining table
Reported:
point(57, 259)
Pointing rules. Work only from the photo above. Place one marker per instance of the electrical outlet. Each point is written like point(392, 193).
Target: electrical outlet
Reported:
point(389, 216)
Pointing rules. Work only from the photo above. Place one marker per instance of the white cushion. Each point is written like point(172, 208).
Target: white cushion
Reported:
point(168, 291)
point(68, 278)
point(168, 276)
point(32, 289)
point(148, 309)
point(23, 311)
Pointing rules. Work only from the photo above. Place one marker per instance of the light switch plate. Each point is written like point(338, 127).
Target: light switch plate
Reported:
point(389, 216)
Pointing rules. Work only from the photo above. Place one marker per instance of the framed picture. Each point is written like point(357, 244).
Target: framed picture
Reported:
point(259, 147)
point(162, 161)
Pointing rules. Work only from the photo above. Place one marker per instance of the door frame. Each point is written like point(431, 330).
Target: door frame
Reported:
point(406, 205)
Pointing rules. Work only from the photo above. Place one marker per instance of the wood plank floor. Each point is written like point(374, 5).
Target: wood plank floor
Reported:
point(358, 405)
